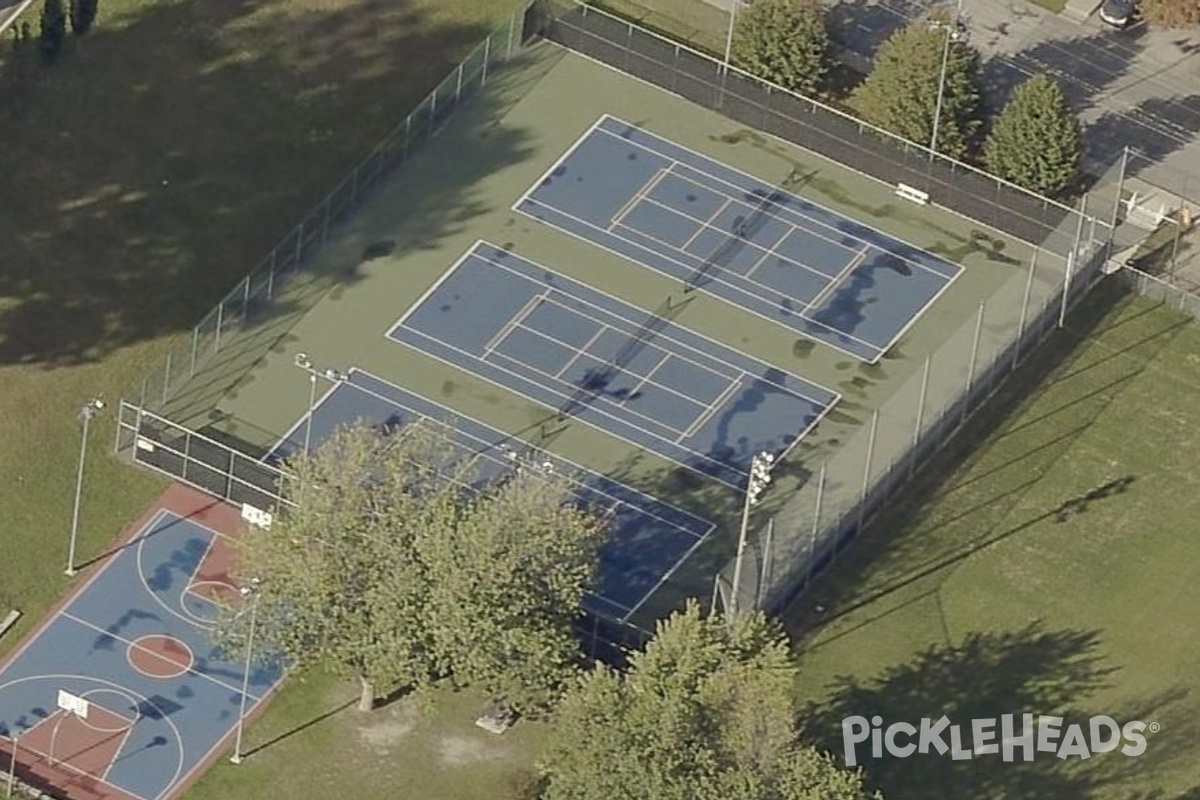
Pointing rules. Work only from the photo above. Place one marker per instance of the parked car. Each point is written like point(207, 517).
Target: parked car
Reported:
point(1118, 13)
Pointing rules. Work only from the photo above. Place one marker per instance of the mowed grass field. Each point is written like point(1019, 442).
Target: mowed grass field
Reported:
point(974, 599)
point(145, 173)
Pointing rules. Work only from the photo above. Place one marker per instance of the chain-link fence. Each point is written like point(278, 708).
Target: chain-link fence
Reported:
point(252, 299)
point(816, 126)
point(1161, 291)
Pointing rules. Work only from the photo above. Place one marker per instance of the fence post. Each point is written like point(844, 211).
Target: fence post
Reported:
point(487, 54)
point(433, 109)
point(220, 322)
point(971, 366)
point(195, 345)
point(299, 244)
point(1112, 227)
point(862, 495)
point(512, 31)
point(1062, 309)
point(912, 461)
point(816, 525)
point(1024, 307)
point(458, 83)
point(166, 378)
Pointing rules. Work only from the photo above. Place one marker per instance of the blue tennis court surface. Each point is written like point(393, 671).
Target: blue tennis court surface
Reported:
point(595, 358)
point(648, 540)
point(751, 244)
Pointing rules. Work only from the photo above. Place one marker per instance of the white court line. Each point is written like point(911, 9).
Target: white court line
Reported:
point(572, 465)
point(619, 303)
point(833, 285)
point(450, 270)
point(131, 643)
point(120, 689)
point(750, 243)
point(713, 407)
point(298, 424)
point(576, 470)
point(645, 379)
point(601, 397)
point(580, 351)
point(583, 137)
point(602, 361)
point(760, 182)
point(640, 193)
point(704, 225)
point(552, 409)
point(514, 322)
point(715, 279)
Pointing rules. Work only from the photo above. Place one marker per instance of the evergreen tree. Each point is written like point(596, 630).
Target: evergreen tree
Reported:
point(83, 15)
point(901, 93)
point(1036, 141)
point(784, 42)
point(53, 29)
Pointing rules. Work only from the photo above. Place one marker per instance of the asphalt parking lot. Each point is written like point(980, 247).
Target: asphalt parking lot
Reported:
point(1138, 87)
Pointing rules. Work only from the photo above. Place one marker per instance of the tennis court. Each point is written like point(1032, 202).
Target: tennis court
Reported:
point(649, 538)
point(595, 358)
point(751, 244)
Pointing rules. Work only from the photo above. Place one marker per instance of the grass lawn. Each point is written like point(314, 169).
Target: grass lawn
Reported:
point(146, 172)
point(974, 599)
point(312, 744)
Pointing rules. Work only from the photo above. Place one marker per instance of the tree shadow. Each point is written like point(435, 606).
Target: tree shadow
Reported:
point(165, 148)
point(1028, 671)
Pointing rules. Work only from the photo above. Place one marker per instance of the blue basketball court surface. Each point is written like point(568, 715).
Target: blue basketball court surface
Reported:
point(649, 538)
point(595, 358)
point(135, 644)
point(751, 244)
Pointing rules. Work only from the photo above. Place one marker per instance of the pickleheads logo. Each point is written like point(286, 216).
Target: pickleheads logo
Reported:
point(985, 737)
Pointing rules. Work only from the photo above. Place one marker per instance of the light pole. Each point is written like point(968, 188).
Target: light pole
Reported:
point(249, 593)
point(954, 33)
point(733, 10)
point(86, 412)
point(305, 363)
point(756, 482)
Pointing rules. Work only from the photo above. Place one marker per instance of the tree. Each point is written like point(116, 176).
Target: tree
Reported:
point(783, 41)
point(1036, 141)
point(388, 567)
point(53, 29)
point(83, 14)
point(705, 712)
point(1170, 13)
point(901, 93)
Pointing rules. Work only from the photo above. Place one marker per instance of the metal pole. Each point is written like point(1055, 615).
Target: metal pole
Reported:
point(741, 549)
point(487, 53)
point(12, 766)
point(220, 315)
point(812, 539)
point(1024, 307)
point(937, 113)
point(1112, 228)
point(862, 496)
point(912, 462)
point(1062, 310)
point(974, 355)
point(733, 9)
point(312, 401)
point(236, 758)
point(195, 344)
point(86, 414)
point(766, 562)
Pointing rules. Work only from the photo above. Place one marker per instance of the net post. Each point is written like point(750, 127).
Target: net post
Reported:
point(816, 526)
point(916, 440)
point(1025, 307)
point(971, 366)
